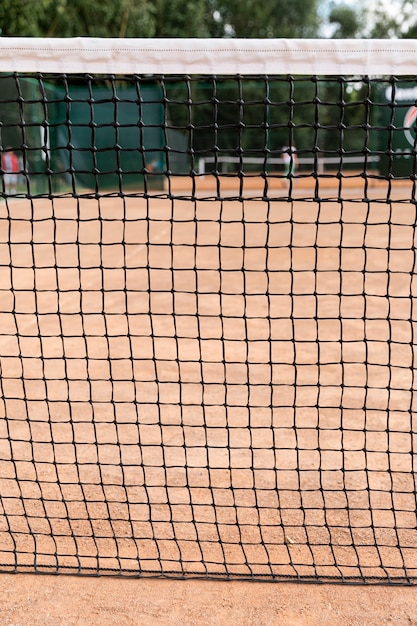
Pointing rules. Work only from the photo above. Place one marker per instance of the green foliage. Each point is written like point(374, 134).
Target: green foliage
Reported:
point(71, 18)
point(202, 18)
point(274, 18)
point(374, 23)
point(21, 17)
point(347, 22)
point(402, 25)
point(158, 18)
point(181, 18)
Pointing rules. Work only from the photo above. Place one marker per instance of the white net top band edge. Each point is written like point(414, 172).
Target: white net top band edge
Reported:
point(371, 57)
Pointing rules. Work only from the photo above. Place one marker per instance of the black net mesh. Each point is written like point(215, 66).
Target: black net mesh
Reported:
point(207, 326)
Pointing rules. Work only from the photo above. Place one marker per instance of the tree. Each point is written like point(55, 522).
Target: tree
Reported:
point(98, 18)
point(274, 18)
point(181, 18)
point(400, 23)
point(70, 18)
point(374, 21)
point(346, 21)
point(21, 17)
point(159, 18)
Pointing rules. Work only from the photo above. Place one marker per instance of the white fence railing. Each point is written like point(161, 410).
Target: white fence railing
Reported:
point(320, 163)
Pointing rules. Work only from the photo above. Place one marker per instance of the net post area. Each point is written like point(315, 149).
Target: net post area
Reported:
point(207, 291)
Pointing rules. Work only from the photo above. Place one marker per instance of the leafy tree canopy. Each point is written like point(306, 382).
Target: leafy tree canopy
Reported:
point(373, 20)
point(274, 18)
point(206, 18)
point(346, 22)
point(158, 18)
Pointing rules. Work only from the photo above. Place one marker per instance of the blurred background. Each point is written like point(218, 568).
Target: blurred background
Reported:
point(209, 18)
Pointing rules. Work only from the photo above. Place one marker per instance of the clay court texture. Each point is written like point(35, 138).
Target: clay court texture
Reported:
point(216, 384)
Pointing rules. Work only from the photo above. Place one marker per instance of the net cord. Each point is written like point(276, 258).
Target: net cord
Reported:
point(209, 56)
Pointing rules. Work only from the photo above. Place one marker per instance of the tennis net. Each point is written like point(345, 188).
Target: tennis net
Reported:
point(207, 348)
